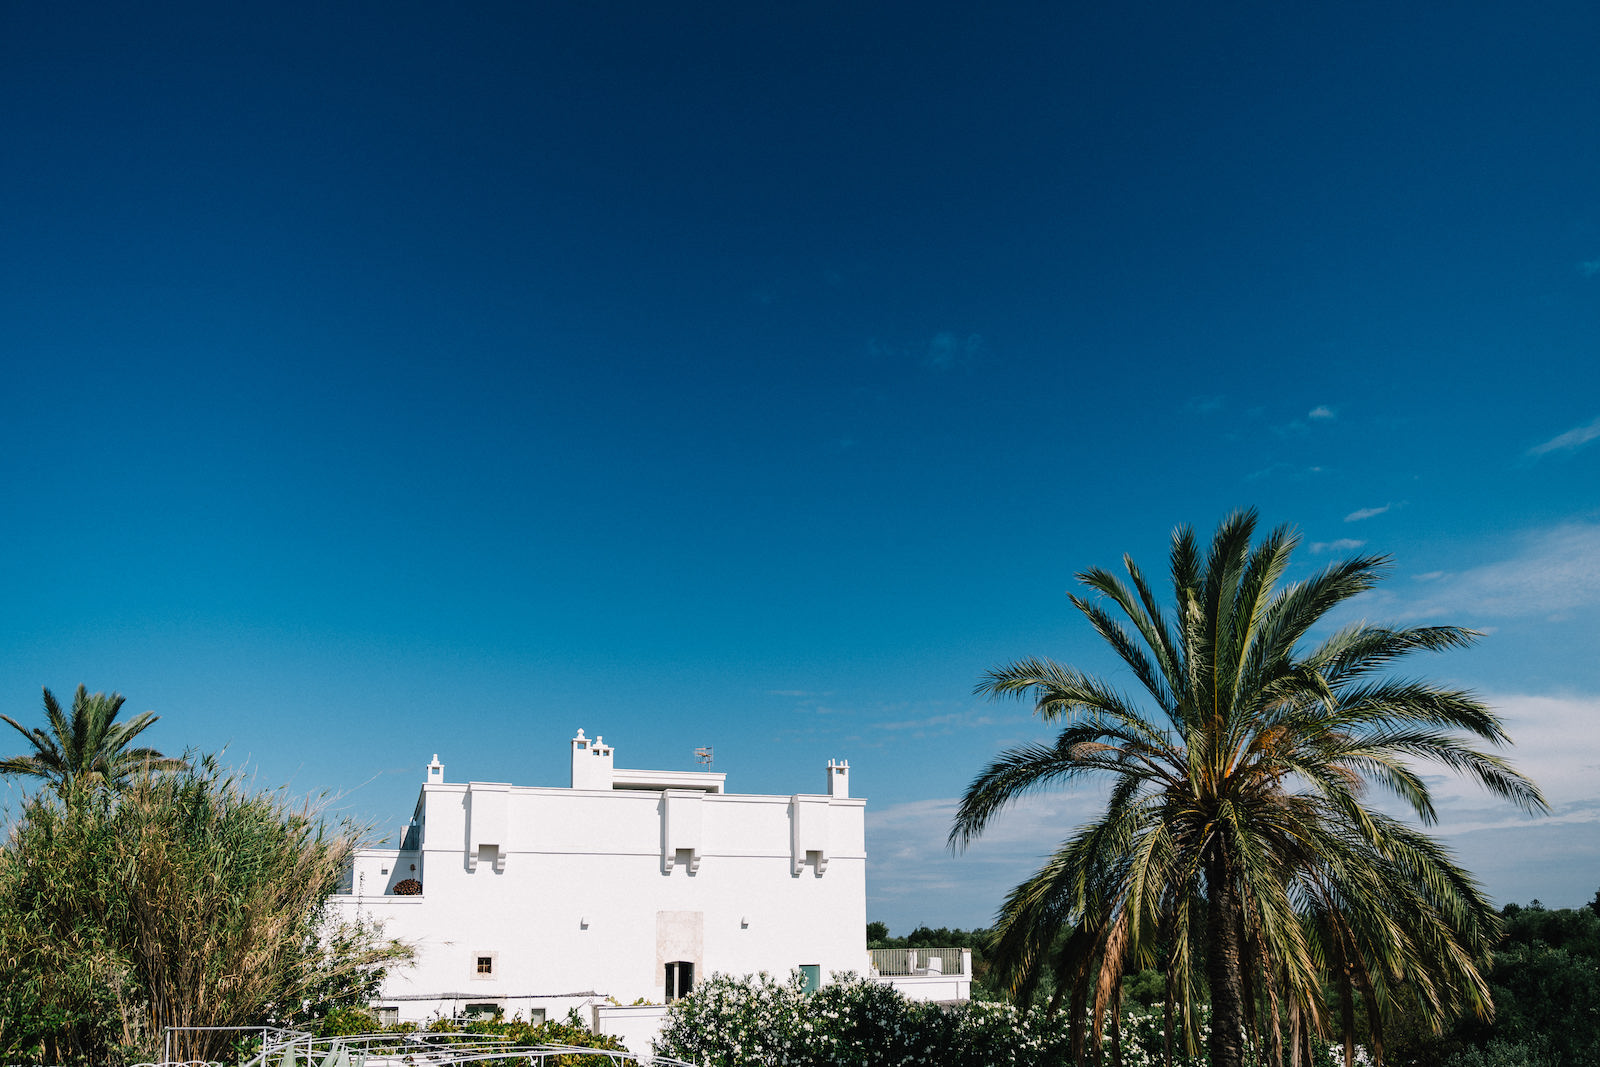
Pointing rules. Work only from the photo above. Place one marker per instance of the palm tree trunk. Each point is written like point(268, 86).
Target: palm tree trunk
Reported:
point(1224, 965)
point(1347, 1021)
point(1116, 1027)
point(1077, 1020)
point(1347, 1008)
point(1166, 1028)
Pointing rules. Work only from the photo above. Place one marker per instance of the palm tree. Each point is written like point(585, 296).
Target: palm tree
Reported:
point(89, 749)
point(1237, 829)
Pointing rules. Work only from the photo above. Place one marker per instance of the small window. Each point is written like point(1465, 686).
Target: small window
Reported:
point(485, 964)
point(387, 1016)
point(536, 1016)
point(488, 1010)
point(811, 977)
point(680, 979)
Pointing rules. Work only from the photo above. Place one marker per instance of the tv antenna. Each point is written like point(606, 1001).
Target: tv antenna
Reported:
point(703, 756)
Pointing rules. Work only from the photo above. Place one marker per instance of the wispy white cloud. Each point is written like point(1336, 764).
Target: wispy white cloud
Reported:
point(1343, 544)
point(1553, 571)
point(1589, 268)
point(1516, 855)
point(1265, 472)
point(944, 351)
point(1296, 473)
point(948, 350)
point(1366, 513)
point(1519, 856)
point(1205, 404)
point(1554, 744)
point(1574, 438)
point(882, 724)
point(909, 863)
point(1321, 412)
point(937, 723)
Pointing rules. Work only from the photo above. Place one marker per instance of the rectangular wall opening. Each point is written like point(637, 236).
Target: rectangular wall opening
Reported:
point(680, 979)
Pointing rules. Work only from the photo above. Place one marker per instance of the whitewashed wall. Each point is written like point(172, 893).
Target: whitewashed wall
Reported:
point(581, 896)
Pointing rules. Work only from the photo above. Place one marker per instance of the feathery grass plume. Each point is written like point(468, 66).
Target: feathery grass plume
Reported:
point(187, 899)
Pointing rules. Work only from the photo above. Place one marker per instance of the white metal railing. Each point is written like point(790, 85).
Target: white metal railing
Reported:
point(281, 1048)
point(265, 1034)
point(900, 962)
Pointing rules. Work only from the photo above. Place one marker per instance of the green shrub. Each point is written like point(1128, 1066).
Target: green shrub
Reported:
point(344, 1021)
point(517, 1031)
point(1501, 1053)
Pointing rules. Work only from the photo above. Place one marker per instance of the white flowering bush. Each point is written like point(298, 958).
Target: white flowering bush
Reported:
point(987, 1032)
point(851, 1022)
point(1142, 1044)
point(731, 1022)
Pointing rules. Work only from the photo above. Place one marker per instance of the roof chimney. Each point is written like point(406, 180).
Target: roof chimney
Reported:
point(591, 763)
point(838, 778)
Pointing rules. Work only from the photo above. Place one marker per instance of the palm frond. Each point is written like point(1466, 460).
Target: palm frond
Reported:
point(86, 749)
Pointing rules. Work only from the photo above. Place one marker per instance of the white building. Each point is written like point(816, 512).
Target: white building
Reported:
point(628, 885)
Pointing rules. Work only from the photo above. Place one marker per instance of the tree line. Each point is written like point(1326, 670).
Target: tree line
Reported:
point(1543, 975)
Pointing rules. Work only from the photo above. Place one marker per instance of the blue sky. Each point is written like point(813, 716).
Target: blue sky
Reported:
point(382, 380)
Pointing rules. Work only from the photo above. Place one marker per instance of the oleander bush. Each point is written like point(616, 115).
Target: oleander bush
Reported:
point(853, 1022)
point(737, 1022)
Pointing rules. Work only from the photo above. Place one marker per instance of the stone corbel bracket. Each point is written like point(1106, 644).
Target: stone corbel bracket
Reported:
point(681, 821)
point(808, 833)
point(487, 804)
